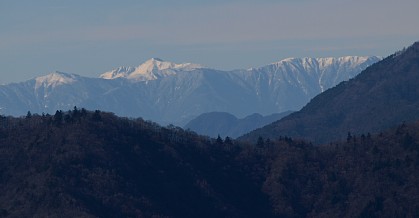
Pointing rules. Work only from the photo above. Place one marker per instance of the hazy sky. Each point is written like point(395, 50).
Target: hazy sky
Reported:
point(90, 37)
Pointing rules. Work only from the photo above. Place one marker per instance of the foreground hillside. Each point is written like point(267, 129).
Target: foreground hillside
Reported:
point(382, 96)
point(83, 164)
point(94, 164)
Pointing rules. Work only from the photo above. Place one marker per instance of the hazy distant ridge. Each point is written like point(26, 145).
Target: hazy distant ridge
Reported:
point(166, 92)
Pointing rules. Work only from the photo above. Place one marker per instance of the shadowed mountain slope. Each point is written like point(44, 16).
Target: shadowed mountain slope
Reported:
point(384, 95)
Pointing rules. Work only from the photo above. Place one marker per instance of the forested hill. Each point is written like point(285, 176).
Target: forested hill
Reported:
point(95, 164)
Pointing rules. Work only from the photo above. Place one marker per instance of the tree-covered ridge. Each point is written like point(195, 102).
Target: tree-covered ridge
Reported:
point(364, 176)
point(94, 164)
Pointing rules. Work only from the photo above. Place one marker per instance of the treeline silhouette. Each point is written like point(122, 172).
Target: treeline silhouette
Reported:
point(83, 163)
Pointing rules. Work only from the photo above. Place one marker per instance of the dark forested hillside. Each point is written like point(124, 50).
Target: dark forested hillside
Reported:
point(382, 96)
point(94, 164)
point(364, 176)
point(83, 164)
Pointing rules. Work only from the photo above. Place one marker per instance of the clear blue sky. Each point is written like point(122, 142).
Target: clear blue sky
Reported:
point(90, 37)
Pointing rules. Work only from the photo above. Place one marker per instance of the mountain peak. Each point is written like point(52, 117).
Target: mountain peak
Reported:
point(152, 69)
point(54, 79)
point(156, 59)
point(328, 60)
point(155, 62)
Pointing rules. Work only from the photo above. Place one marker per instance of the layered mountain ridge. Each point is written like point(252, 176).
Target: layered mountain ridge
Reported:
point(381, 97)
point(223, 124)
point(166, 92)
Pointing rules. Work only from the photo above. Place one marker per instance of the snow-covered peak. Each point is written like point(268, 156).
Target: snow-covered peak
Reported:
point(328, 61)
point(152, 69)
point(320, 64)
point(326, 72)
point(120, 72)
point(55, 79)
point(349, 61)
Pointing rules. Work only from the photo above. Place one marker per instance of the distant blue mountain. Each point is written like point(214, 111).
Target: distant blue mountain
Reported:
point(225, 124)
point(170, 93)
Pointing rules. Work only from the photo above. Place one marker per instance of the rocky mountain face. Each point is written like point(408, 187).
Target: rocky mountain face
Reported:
point(176, 93)
point(223, 124)
point(382, 96)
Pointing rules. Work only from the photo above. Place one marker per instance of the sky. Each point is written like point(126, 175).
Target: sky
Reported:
point(90, 37)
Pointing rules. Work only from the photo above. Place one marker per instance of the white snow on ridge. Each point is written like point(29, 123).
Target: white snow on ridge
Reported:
point(327, 71)
point(54, 79)
point(152, 69)
point(121, 72)
point(323, 63)
point(177, 92)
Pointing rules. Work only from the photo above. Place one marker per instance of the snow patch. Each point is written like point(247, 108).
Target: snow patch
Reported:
point(54, 79)
point(152, 69)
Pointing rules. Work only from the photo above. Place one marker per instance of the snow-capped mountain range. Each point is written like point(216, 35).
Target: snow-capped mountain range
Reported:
point(166, 92)
point(152, 69)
